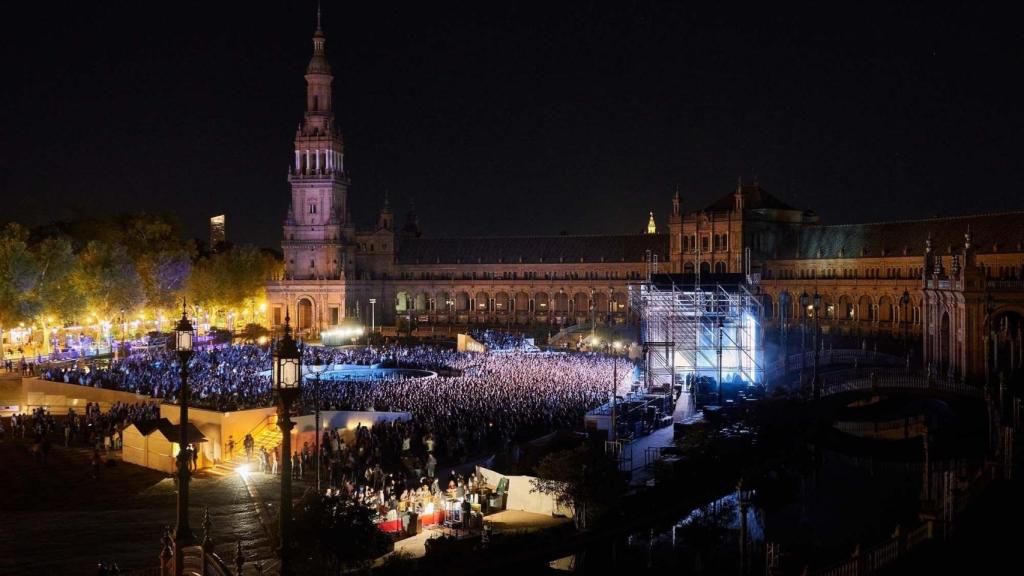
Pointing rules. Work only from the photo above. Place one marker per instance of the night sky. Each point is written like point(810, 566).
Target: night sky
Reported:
point(511, 118)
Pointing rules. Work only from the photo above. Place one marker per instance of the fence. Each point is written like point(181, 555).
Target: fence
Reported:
point(900, 380)
point(831, 357)
point(954, 501)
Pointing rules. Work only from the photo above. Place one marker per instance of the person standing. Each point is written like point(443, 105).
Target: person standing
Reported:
point(231, 447)
point(431, 465)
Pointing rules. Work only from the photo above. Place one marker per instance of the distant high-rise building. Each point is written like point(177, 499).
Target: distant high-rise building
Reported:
point(217, 234)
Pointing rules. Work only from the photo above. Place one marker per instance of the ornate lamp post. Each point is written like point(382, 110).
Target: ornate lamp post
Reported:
point(805, 301)
point(904, 303)
point(373, 315)
point(183, 337)
point(286, 378)
point(317, 367)
point(816, 299)
point(783, 339)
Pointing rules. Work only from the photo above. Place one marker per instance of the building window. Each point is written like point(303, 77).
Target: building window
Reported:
point(334, 315)
point(312, 208)
point(277, 315)
point(704, 243)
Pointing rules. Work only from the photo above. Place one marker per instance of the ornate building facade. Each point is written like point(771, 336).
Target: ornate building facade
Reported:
point(955, 283)
point(336, 273)
point(920, 280)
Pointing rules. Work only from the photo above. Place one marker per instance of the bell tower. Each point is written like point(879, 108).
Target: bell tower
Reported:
point(314, 230)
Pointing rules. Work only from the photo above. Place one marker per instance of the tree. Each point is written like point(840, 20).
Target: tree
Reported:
point(583, 478)
point(109, 280)
point(17, 277)
point(337, 534)
point(230, 279)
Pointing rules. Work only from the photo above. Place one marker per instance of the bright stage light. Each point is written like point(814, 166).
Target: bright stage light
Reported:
point(243, 470)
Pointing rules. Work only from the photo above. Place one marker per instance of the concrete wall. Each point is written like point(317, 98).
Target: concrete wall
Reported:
point(520, 494)
point(346, 420)
point(58, 397)
point(219, 426)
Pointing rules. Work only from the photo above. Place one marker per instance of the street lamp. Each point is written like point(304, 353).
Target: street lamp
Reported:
point(616, 346)
point(904, 302)
point(817, 328)
point(286, 378)
point(805, 300)
point(183, 338)
point(783, 337)
point(373, 315)
point(317, 366)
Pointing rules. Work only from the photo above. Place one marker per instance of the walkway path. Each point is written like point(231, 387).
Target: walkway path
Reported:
point(57, 519)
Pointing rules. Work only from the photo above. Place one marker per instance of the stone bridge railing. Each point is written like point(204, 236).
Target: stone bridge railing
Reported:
point(893, 380)
point(836, 357)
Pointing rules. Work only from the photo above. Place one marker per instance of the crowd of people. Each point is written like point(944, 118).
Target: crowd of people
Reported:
point(93, 428)
point(498, 339)
point(477, 403)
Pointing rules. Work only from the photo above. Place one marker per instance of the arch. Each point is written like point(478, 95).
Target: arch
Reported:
point(601, 303)
point(403, 301)
point(481, 302)
point(501, 301)
point(421, 302)
point(462, 301)
point(944, 343)
point(561, 303)
point(620, 301)
point(688, 268)
point(865, 309)
point(441, 301)
point(705, 268)
point(845, 309)
point(521, 301)
point(828, 307)
point(767, 306)
point(581, 303)
point(304, 314)
point(885, 310)
point(785, 305)
point(719, 267)
point(541, 303)
point(1008, 328)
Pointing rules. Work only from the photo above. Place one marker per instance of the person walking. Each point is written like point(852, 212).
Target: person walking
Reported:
point(231, 447)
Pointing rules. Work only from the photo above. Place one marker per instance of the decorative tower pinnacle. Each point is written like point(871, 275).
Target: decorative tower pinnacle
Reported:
point(315, 230)
point(676, 201)
point(651, 227)
point(739, 194)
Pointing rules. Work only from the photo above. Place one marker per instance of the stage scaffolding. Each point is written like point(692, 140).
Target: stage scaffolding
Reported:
point(698, 328)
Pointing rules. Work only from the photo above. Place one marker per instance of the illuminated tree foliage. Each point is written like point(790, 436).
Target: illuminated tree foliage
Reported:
point(93, 269)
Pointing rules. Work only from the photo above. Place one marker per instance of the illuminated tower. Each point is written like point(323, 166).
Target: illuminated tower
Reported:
point(651, 227)
point(315, 227)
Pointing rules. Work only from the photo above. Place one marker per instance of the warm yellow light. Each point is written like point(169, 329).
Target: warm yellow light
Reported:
point(263, 307)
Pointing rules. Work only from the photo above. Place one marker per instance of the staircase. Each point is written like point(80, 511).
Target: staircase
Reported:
point(266, 435)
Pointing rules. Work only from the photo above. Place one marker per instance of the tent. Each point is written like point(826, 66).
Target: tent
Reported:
point(154, 444)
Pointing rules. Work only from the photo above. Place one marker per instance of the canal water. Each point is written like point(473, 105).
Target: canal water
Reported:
point(846, 490)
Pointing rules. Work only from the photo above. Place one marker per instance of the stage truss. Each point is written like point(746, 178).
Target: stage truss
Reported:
point(693, 328)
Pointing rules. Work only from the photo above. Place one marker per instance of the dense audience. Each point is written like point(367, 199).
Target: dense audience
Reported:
point(499, 340)
point(477, 403)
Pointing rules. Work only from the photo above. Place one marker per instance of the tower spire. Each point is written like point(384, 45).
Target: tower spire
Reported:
point(318, 27)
